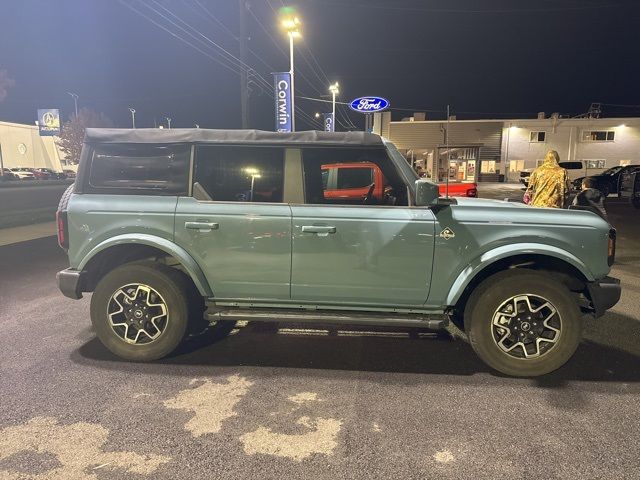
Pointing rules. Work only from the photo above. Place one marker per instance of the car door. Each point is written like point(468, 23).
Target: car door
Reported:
point(235, 224)
point(375, 254)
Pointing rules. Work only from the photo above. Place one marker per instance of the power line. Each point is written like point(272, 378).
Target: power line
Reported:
point(132, 8)
point(309, 120)
point(391, 7)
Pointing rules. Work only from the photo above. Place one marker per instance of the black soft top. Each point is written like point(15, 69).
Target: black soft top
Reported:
point(203, 135)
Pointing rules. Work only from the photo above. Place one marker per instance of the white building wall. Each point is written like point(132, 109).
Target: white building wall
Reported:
point(565, 136)
point(22, 146)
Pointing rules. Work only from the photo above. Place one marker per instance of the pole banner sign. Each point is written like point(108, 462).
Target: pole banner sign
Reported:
point(49, 122)
point(329, 126)
point(282, 84)
point(369, 104)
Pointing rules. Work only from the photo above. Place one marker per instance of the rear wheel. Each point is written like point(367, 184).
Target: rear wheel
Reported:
point(140, 312)
point(523, 323)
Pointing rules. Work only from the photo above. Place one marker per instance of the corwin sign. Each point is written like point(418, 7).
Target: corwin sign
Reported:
point(369, 104)
point(282, 85)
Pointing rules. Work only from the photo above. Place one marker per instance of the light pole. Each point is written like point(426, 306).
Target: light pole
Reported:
point(75, 100)
point(254, 173)
point(133, 117)
point(292, 25)
point(168, 122)
point(334, 91)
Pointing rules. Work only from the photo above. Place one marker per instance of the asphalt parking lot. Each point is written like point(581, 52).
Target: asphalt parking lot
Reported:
point(321, 403)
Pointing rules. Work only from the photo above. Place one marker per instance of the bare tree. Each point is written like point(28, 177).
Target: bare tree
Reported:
point(72, 134)
point(5, 83)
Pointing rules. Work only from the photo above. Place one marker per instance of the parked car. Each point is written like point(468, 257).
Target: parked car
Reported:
point(608, 181)
point(23, 173)
point(47, 173)
point(69, 173)
point(40, 173)
point(574, 170)
point(160, 227)
point(630, 186)
point(7, 175)
point(357, 181)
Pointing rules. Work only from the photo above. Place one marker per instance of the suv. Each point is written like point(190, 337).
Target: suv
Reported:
point(170, 228)
point(607, 181)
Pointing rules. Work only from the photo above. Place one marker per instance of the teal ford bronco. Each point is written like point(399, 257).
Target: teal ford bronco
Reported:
point(175, 231)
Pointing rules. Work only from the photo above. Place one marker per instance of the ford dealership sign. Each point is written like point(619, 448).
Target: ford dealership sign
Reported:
point(369, 104)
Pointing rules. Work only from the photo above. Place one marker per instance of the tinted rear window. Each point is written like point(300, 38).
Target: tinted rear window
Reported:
point(138, 169)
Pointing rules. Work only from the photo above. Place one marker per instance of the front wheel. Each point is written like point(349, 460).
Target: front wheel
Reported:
point(140, 311)
point(523, 323)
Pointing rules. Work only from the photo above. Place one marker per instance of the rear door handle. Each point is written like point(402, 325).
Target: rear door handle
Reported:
point(202, 226)
point(322, 230)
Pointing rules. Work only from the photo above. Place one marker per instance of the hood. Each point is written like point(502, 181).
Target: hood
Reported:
point(487, 202)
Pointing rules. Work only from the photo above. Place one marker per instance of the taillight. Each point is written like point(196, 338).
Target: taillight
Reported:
point(63, 229)
point(611, 249)
point(472, 192)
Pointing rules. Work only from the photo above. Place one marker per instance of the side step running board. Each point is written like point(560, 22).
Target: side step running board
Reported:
point(431, 322)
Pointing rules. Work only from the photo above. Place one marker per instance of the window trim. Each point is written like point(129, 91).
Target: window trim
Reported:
point(606, 132)
point(90, 188)
point(284, 149)
point(537, 133)
point(390, 158)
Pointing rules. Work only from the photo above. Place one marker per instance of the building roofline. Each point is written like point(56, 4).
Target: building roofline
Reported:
point(522, 120)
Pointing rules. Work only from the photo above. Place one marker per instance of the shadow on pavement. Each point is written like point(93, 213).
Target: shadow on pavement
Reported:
point(257, 346)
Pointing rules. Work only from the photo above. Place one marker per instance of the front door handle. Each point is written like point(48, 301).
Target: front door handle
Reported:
point(322, 230)
point(202, 226)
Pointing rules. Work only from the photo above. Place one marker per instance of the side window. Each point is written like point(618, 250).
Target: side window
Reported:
point(351, 176)
point(228, 173)
point(140, 169)
point(356, 177)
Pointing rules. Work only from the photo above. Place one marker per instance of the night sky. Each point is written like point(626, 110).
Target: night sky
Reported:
point(488, 59)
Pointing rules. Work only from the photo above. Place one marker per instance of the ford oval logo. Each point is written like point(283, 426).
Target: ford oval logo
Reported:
point(369, 104)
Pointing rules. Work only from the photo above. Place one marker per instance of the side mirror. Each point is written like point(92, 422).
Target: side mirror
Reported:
point(426, 193)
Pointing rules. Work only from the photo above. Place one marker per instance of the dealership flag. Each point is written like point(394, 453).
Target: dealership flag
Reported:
point(282, 85)
point(329, 125)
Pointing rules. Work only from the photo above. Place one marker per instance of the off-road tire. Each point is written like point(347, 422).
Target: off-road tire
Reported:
point(173, 288)
point(64, 200)
point(497, 289)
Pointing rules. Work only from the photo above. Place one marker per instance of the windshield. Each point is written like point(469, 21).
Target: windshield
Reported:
point(407, 172)
point(612, 171)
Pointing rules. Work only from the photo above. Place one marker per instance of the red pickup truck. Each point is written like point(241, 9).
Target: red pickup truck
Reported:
point(353, 181)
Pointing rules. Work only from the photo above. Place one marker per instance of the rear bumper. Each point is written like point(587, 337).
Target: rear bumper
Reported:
point(70, 283)
point(604, 294)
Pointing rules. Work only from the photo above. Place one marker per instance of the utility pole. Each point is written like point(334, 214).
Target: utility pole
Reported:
point(75, 100)
point(244, 83)
point(133, 117)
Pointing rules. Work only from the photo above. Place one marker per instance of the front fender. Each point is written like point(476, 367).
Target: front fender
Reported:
point(492, 256)
point(186, 260)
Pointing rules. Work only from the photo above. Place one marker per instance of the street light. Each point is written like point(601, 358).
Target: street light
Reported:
point(133, 117)
point(292, 26)
point(253, 173)
point(334, 91)
point(168, 122)
point(317, 115)
point(75, 100)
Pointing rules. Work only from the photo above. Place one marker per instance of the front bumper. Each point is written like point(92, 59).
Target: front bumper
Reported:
point(604, 294)
point(70, 283)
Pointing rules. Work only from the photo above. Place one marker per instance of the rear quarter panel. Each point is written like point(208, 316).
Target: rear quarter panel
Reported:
point(94, 219)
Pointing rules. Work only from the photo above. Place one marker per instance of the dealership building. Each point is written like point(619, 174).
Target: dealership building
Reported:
point(22, 146)
point(498, 150)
